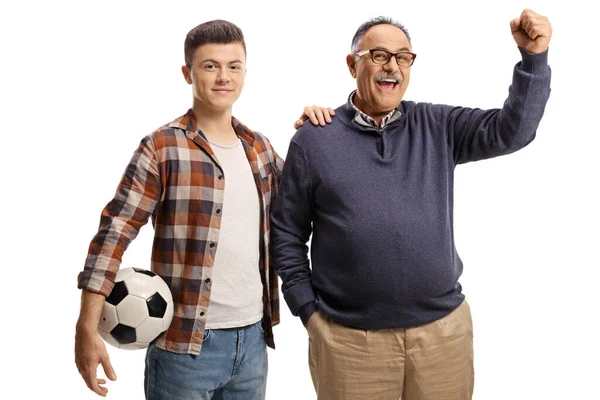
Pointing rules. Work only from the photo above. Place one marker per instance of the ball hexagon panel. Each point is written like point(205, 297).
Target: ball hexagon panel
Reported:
point(163, 288)
point(149, 329)
point(144, 271)
point(108, 319)
point(123, 273)
point(140, 285)
point(132, 311)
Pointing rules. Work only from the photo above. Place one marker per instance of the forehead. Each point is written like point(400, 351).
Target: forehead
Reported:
point(224, 53)
point(386, 36)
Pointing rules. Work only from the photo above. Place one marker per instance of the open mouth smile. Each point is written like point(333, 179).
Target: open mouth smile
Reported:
point(387, 84)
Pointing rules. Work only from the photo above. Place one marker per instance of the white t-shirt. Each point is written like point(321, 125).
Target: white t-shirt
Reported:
point(236, 297)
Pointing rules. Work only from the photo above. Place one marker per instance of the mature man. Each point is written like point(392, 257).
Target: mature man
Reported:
point(382, 304)
point(208, 182)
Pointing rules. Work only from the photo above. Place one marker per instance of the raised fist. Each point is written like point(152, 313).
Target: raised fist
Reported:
point(531, 31)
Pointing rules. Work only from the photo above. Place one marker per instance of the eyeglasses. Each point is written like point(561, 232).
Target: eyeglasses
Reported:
point(404, 59)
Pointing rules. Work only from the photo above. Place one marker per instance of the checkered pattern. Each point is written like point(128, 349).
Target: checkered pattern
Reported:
point(174, 178)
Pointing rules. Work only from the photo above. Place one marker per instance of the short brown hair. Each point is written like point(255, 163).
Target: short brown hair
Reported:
point(217, 31)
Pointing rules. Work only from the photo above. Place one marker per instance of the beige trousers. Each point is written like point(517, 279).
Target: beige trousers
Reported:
point(429, 362)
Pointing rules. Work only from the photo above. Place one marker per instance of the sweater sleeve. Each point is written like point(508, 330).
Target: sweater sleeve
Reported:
point(477, 134)
point(291, 227)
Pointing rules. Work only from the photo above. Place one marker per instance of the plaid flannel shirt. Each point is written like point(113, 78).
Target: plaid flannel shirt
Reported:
point(174, 178)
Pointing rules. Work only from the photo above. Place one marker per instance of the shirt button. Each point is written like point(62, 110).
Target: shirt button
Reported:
point(202, 314)
point(212, 245)
point(207, 280)
point(220, 177)
point(218, 211)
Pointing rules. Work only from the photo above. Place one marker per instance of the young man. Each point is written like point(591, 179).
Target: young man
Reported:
point(207, 181)
point(382, 304)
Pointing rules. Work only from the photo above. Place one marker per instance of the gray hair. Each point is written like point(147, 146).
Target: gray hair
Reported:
point(360, 33)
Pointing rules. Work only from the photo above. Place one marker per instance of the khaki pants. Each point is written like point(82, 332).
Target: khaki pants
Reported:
point(429, 362)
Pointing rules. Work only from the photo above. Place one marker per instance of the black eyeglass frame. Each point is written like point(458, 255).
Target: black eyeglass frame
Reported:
point(389, 54)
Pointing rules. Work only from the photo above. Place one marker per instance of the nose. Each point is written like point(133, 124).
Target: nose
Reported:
point(391, 65)
point(223, 76)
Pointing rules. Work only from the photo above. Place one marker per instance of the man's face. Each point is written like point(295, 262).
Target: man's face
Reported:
point(374, 96)
point(217, 75)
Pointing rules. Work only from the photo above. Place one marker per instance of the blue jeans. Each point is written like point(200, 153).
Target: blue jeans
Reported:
point(232, 365)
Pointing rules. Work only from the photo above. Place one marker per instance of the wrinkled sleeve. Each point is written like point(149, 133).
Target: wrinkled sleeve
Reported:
point(477, 134)
point(291, 227)
point(134, 202)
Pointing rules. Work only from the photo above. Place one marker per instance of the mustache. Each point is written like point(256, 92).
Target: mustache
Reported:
point(387, 75)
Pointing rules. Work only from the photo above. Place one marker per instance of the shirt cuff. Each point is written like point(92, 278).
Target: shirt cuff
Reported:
point(94, 283)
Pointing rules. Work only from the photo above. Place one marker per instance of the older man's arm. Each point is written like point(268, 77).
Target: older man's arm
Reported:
point(291, 227)
point(478, 134)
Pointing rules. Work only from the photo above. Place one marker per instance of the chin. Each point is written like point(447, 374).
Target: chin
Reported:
point(222, 105)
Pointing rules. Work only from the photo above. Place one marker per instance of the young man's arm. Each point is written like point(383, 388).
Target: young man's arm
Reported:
point(90, 349)
point(133, 204)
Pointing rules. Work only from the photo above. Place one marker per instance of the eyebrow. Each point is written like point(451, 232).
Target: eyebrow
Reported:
point(216, 62)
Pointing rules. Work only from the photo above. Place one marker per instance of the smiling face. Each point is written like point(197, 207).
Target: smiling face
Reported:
point(379, 88)
point(217, 75)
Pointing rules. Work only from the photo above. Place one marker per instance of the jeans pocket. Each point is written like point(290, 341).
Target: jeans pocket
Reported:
point(260, 327)
point(207, 335)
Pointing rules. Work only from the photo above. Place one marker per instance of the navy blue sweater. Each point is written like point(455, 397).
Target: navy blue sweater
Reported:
point(379, 205)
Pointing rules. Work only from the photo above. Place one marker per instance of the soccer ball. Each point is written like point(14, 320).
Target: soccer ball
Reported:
point(138, 309)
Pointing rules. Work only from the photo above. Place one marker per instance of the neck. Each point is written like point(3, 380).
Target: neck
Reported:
point(376, 115)
point(215, 124)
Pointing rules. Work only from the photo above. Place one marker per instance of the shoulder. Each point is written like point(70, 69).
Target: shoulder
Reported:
point(315, 135)
point(261, 142)
point(263, 146)
point(157, 143)
point(164, 133)
point(265, 153)
point(425, 111)
point(167, 134)
point(258, 141)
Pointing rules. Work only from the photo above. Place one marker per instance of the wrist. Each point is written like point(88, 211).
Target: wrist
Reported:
point(86, 327)
point(534, 62)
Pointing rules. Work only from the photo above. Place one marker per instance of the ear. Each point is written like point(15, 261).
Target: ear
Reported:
point(186, 74)
point(351, 61)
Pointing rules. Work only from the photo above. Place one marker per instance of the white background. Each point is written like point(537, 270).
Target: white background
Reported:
point(83, 82)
